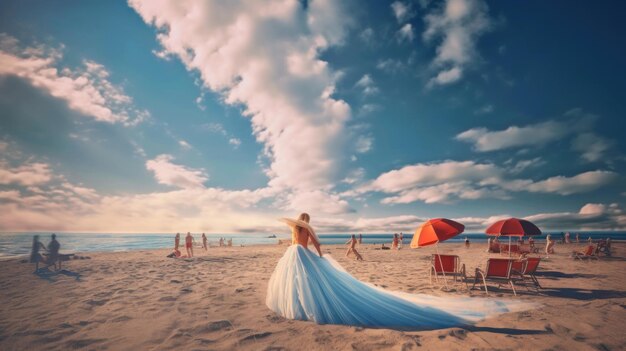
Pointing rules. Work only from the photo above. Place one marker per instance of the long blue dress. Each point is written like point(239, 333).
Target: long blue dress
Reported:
point(305, 286)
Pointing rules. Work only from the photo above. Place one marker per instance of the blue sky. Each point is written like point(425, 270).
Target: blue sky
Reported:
point(157, 116)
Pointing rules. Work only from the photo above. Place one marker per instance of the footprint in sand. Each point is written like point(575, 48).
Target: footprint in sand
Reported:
point(97, 302)
point(218, 325)
point(255, 336)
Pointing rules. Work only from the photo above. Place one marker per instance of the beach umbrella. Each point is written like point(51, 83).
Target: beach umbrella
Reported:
point(434, 231)
point(513, 227)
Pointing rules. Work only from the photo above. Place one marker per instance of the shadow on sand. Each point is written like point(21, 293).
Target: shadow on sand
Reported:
point(52, 276)
point(583, 294)
point(507, 331)
point(559, 275)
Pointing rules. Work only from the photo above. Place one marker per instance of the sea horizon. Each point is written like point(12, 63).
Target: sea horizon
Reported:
point(18, 244)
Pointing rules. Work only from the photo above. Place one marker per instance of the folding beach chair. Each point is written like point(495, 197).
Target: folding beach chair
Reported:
point(447, 266)
point(590, 252)
point(498, 270)
point(527, 268)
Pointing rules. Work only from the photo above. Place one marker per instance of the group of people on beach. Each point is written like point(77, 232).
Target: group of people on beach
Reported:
point(52, 257)
point(189, 243)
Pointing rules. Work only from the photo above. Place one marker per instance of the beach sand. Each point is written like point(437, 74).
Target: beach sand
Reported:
point(141, 300)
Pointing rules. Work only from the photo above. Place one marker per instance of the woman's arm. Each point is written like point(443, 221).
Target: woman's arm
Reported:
point(316, 244)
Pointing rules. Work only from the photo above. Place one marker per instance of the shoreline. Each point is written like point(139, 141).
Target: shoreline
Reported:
point(169, 249)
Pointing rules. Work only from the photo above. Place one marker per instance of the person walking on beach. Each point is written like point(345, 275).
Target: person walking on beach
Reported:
point(189, 241)
point(549, 245)
point(177, 241)
point(394, 243)
point(35, 256)
point(204, 242)
point(401, 239)
point(352, 249)
point(221, 242)
point(577, 238)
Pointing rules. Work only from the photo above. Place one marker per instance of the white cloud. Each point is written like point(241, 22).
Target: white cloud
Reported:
point(589, 217)
point(422, 174)
point(171, 174)
point(86, 89)
point(458, 24)
point(234, 142)
point(405, 33)
point(367, 84)
point(27, 174)
point(367, 35)
point(591, 146)
point(580, 183)
point(522, 165)
point(364, 144)
point(401, 11)
point(265, 56)
point(532, 135)
point(446, 77)
point(368, 108)
point(185, 145)
point(215, 128)
point(449, 181)
point(390, 65)
point(354, 176)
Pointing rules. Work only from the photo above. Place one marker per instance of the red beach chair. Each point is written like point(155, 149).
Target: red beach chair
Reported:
point(447, 265)
point(498, 270)
point(589, 253)
point(527, 268)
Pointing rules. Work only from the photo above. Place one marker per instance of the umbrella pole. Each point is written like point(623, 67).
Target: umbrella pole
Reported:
point(509, 246)
point(445, 281)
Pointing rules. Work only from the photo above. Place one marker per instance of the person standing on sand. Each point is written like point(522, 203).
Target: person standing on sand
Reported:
point(204, 242)
point(394, 243)
point(177, 241)
point(577, 238)
point(189, 241)
point(549, 245)
point(401, 239)
point(35, 256)
point(306, 286)
point(53, 251)
point(467, 242)
point(352, 249)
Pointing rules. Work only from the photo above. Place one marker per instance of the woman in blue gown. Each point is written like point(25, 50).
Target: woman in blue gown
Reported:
point(306, 286)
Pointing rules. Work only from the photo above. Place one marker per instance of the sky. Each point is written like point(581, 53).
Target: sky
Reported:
point(222, 116)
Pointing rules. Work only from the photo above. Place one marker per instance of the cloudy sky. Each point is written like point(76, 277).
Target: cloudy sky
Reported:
point(220, 116)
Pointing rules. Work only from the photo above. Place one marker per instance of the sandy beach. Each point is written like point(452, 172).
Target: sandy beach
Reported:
point(142, 300)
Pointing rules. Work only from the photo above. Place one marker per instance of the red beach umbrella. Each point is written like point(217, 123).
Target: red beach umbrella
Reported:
point(433, 231)
point(436, 230)
point(513, 227)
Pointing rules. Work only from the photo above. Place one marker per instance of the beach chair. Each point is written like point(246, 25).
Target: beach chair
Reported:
point(498, 270)
point(590, 252)
point(447, 266)
point(527, 268)
point(513, 248)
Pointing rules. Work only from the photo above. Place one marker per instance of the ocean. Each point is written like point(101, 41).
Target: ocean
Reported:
point(19, 244)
